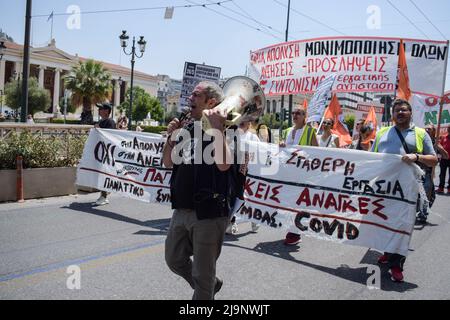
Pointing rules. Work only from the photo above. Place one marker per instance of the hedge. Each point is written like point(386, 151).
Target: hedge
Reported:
point(41, 151)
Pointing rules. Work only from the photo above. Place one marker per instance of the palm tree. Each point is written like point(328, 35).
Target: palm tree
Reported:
point(90, 83)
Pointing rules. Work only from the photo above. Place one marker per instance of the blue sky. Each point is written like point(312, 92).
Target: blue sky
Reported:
point(200, 35)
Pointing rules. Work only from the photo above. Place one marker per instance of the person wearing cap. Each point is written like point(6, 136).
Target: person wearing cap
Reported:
point(104, 110)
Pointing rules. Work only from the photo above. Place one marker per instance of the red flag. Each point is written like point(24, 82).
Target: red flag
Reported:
point(371, 121)
point(305, 104)
point(403, 91)
point(333, 112)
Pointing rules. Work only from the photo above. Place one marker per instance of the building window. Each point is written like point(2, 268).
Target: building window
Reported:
point(274, 106)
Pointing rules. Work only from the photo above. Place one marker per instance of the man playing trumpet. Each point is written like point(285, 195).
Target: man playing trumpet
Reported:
point(202, 192)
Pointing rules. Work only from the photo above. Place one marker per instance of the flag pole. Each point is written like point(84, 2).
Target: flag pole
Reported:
point(441, 103)
point(51, 32)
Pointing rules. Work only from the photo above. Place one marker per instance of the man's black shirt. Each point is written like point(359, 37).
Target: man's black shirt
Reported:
point(192, 186)
point(107, 124)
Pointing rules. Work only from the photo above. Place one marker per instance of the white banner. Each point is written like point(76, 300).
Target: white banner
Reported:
point(426, 110)
point(346, 196)
point(361, 64)
point(126, 163)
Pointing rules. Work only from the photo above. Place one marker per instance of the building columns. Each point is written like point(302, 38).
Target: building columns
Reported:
point(2, 75)
point(41, 76)
point(18, 68)
point(56, 89)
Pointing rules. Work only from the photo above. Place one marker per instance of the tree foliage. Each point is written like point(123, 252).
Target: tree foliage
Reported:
point(90, 83)
point(38, 98)
point(143, 103)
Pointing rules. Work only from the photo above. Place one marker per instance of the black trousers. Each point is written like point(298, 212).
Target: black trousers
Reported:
point(444, 164)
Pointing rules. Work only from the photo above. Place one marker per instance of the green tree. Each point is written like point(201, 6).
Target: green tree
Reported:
point(38, 98)
point(349, 120)
point(143, 103)
point(71, 108)
point(90, 84)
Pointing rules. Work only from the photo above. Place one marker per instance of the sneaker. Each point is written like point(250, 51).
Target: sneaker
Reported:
point(396, 274)
point(440, 190)
point(255, 227)
point(232, 228)
point(421, 219)
point(448, 190)
point(292, 239)
point(101, 201)
point(384, 259)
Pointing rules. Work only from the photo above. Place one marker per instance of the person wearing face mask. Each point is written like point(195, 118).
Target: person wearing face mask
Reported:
point(298, 135)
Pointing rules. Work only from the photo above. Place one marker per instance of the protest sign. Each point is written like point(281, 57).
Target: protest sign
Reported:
point(361, 64)
point(319, 100)
point(193, 74)
point(126, 163)
point(426, 111)
point(345, 196)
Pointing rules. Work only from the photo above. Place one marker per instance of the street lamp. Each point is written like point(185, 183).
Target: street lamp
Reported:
point(124, 43)
point(2, 49)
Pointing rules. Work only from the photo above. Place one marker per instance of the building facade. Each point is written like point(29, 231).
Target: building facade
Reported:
point(49, 65)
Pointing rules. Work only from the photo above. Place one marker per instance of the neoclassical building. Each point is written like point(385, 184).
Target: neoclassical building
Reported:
point(49, 65)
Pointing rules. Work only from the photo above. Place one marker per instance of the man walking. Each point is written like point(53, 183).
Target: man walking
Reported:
point(104, 110)
point(444, 163)
point(202, 193)
point(415, 145)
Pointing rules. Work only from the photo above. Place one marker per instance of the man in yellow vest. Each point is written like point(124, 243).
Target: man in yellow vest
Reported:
point(416, 147)
point(298, 135)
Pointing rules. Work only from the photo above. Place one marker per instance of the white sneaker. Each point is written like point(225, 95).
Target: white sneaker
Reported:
point(255, 227)
point(232, 228)
point(101, 201)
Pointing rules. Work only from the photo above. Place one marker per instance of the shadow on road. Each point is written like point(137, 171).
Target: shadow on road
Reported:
point(358, 275)
point(161, 224)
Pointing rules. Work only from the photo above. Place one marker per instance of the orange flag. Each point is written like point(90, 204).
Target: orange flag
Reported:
point(333, 112)
point(305, 104)
point(371, 121)
point(403, 91)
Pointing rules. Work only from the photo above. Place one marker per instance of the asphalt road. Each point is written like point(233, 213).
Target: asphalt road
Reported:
point(119, 249)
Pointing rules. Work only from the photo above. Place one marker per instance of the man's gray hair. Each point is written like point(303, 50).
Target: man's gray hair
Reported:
point(212, 91)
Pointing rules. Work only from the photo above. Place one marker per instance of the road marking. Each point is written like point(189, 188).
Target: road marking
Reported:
point(65, 264)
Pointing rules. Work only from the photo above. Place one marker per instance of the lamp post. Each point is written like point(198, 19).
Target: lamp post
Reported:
point(119, 82)
point(124, 43)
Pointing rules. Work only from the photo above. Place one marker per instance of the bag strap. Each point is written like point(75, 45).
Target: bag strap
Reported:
point(329, 140)
point(405, 146)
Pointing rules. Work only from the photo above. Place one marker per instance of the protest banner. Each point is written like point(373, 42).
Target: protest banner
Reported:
point(361, 64)
point(193, 74)
point(126, 163)
point(345, 196)
point(426, 111)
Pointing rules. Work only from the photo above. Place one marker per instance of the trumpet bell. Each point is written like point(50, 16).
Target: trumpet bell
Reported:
point(244, 101)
